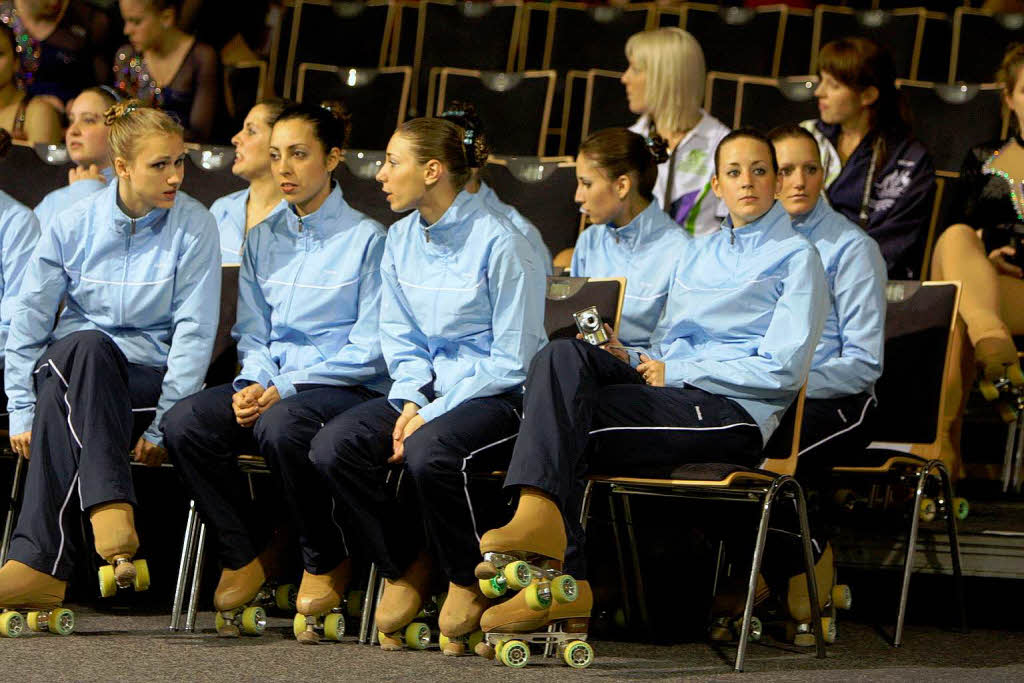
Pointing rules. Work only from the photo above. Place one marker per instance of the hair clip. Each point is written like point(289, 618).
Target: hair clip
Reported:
point(658, 147)
point(326, 107)
point(112, 92)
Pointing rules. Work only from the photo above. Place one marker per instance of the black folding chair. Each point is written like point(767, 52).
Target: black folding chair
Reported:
point(30, 172)
point(901, 31)
point(980, 40)
point(594, 100)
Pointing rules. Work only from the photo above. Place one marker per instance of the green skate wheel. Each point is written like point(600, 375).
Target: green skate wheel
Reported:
point(219, 622)
point(62, 621)
point(354, 603)
point(756, 629)
point(492, 588)
point(254, 620)
point(534, 599)
point(515, 654)
point(141, 582)
point(842, 596)
point(578, 654)
point(108, 585)
point(517, 574)
point(284, 597)
point(497, 648)
point(563, 588)
point(417, 636)
point(988, 390)
point(298, 624)
point(1015, 374)
point(475, 638)
point(32, 619)
point(828, 629)
point(334, 626)
point(961, 508)
point(12, 625)
point(443, 641)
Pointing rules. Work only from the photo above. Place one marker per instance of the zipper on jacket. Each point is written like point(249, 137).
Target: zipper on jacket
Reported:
point(124, 278)
point(426, 233)
point(732, 235)
point(300, 224)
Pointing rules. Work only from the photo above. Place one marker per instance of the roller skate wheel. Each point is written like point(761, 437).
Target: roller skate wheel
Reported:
point(61, 621)
point(828, 629)
point(756, 629)
point(518, 575)
point(1006, 412)
point(33, 622)
point(515, 654)
point(497, 648)
point(298, 625)
point(961, 508)
point(492, 588)
point(842, 596)
point(284, 597)
point(578, 654)
point(927, 510)
point(484, 650)
point(254, 620)
point(443, 642)
point(334, 626)
point(219, 622)
point(563, 589)
point(354, 603)
point(1015, 374)
point(845, 498)
point(141, 581)
point(12, 625)
point(485, 570)
point(720, 630)
point(417, 636)
point(988, 390)
point(475, 638)
point(619, 618)
point(535, 598)
point(108, 584)
point(804, 639)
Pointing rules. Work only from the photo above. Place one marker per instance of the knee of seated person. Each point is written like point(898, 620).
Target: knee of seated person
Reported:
point(425, 452)
point(956, 237)
point(273, 426)
point(328, 447)
point(93, 340)
point(179, 420)
point(558, 350)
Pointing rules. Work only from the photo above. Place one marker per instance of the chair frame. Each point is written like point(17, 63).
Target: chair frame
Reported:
point(442, 85)
point(293, 40)
point(954, 55)
point(924, 466)
point(741, 80)
point(306, 67)
point(229, 96)
point(915, 60)
point(587, 77)
point(773, 480)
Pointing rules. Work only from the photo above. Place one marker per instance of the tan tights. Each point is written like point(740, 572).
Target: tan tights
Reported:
point(991, 308)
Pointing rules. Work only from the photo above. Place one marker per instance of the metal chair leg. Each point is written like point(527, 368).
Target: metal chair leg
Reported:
point(1013, 435)
point(12, 510)
point(812, 579)
point(637, 576)
point(954, 544)
point(368, 605)
point(627, 607)
point(908, 563)
point(197, 579)
point(183, 565)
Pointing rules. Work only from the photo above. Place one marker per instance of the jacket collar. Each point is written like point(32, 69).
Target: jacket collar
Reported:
point(122, 223)
point(638, 230)
point(806, 223)
point(447, 229)
point(758, 230)
point(326, 220)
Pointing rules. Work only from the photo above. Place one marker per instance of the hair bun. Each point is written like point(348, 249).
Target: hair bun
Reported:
point(5, 142)
point(658, 147)
point(474, 141)
point(337, 109)
point(119, 110)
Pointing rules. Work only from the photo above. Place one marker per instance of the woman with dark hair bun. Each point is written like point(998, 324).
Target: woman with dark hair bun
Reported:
point(464, 114)
point(876, 173)
point(461, 317)
point(308, 310)
point(630, 236)
point(240, 211)
point(26, 117)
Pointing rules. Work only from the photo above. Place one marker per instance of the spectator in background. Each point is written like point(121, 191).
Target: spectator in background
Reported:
point(64, 46)
point(876, 173)
point(86, 138)
point(665, 85)
point(167, 68)
point(235, 28)
point(26, 117)
point(982, 249)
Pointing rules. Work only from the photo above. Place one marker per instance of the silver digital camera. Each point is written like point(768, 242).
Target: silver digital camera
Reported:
point(590, 325)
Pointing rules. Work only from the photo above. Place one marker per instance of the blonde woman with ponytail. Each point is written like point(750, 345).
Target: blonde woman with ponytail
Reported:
point(137, 266)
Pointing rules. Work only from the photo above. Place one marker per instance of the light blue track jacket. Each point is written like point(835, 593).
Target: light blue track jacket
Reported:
point(522, 224)
point(152, 284)
point(848, 359)
point(463, 312)
point(309, 300)
point(19, 232)
point(229, 212)
point(744, 315)
point(63, 197)
point(644, 251)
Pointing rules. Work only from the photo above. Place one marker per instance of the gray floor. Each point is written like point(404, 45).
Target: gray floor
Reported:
point(138, 648)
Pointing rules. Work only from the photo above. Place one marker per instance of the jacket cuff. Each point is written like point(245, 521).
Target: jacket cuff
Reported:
point(20, 421)
point(284, 386)
point(245, 378)
point(400, 393)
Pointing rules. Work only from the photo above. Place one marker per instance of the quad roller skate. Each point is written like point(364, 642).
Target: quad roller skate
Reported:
point(831, 596)
point(113, 526)
point(31, 601)
point(405, 608)
point(901, 493)
point(320, 614)
point(526, 554)
point(727, 612)
point(512, 626)
point(243, 596)
point(459, 619)
point(1001, 379)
